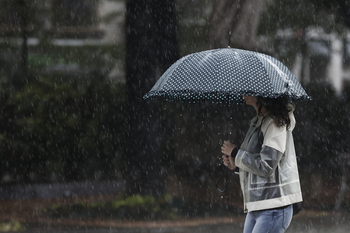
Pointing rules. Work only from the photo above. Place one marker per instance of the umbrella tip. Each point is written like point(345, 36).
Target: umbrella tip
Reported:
point(229, 39)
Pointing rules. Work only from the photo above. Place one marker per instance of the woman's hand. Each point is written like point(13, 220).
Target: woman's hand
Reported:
point(229, 162)
point(227, 148)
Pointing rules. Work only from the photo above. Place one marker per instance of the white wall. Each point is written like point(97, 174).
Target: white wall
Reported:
point(113, 29)
point(335, 66)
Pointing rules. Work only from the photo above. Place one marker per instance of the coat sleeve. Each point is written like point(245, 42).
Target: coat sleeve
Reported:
point(265, 162)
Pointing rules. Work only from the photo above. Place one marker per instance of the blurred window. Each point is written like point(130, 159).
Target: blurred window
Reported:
point(319, 48)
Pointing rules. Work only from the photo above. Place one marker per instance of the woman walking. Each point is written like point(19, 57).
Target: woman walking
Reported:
point(267, 166)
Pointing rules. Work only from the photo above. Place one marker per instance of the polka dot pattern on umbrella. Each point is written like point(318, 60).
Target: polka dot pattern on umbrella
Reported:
point(224, 75)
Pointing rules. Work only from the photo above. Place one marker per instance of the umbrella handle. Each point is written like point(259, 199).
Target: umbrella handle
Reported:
point(227, 129)
point(217, 183)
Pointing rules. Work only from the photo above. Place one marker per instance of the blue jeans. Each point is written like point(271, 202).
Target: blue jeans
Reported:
point(268, 221)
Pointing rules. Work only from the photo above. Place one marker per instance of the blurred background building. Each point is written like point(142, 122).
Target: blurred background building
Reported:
point(73, 24)
point(52, 25)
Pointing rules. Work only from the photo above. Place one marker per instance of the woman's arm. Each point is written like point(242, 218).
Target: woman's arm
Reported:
point(262, 164)
point(265, 162)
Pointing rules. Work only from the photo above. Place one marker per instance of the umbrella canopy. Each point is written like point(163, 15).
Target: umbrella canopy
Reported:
point(224, 76)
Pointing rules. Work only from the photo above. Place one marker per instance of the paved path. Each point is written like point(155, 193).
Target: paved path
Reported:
point(303, 224)
point(45, 191)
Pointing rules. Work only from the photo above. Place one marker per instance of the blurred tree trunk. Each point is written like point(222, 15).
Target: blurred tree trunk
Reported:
point(344, 162)
point(302, 41)
point(24, 34)
point(24, 11)
point(151, 48)
point(241, 17)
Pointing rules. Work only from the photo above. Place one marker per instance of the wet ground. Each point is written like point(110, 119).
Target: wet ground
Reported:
point(322, 222)
point(46, 191)
point(28, 211)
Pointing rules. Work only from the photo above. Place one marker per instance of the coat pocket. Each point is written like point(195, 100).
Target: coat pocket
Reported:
point(259, 180)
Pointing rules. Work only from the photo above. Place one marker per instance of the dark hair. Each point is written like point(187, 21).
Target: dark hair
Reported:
point(278, 108)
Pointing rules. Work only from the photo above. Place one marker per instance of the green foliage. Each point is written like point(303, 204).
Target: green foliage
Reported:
point(139, 207)
point(131, 207)
point(133, 201)
point(61, 120)
point(322, 129)
point(16, 12)
point(58, 129)
point(11, 226)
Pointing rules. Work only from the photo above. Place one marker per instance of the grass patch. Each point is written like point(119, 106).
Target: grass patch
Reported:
point(11, 226)
point(139, 207)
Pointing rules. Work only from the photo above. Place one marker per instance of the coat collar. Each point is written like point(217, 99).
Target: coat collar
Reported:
point(257, 120)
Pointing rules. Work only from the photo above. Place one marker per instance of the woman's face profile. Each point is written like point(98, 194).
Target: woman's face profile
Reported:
point(250, 100)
